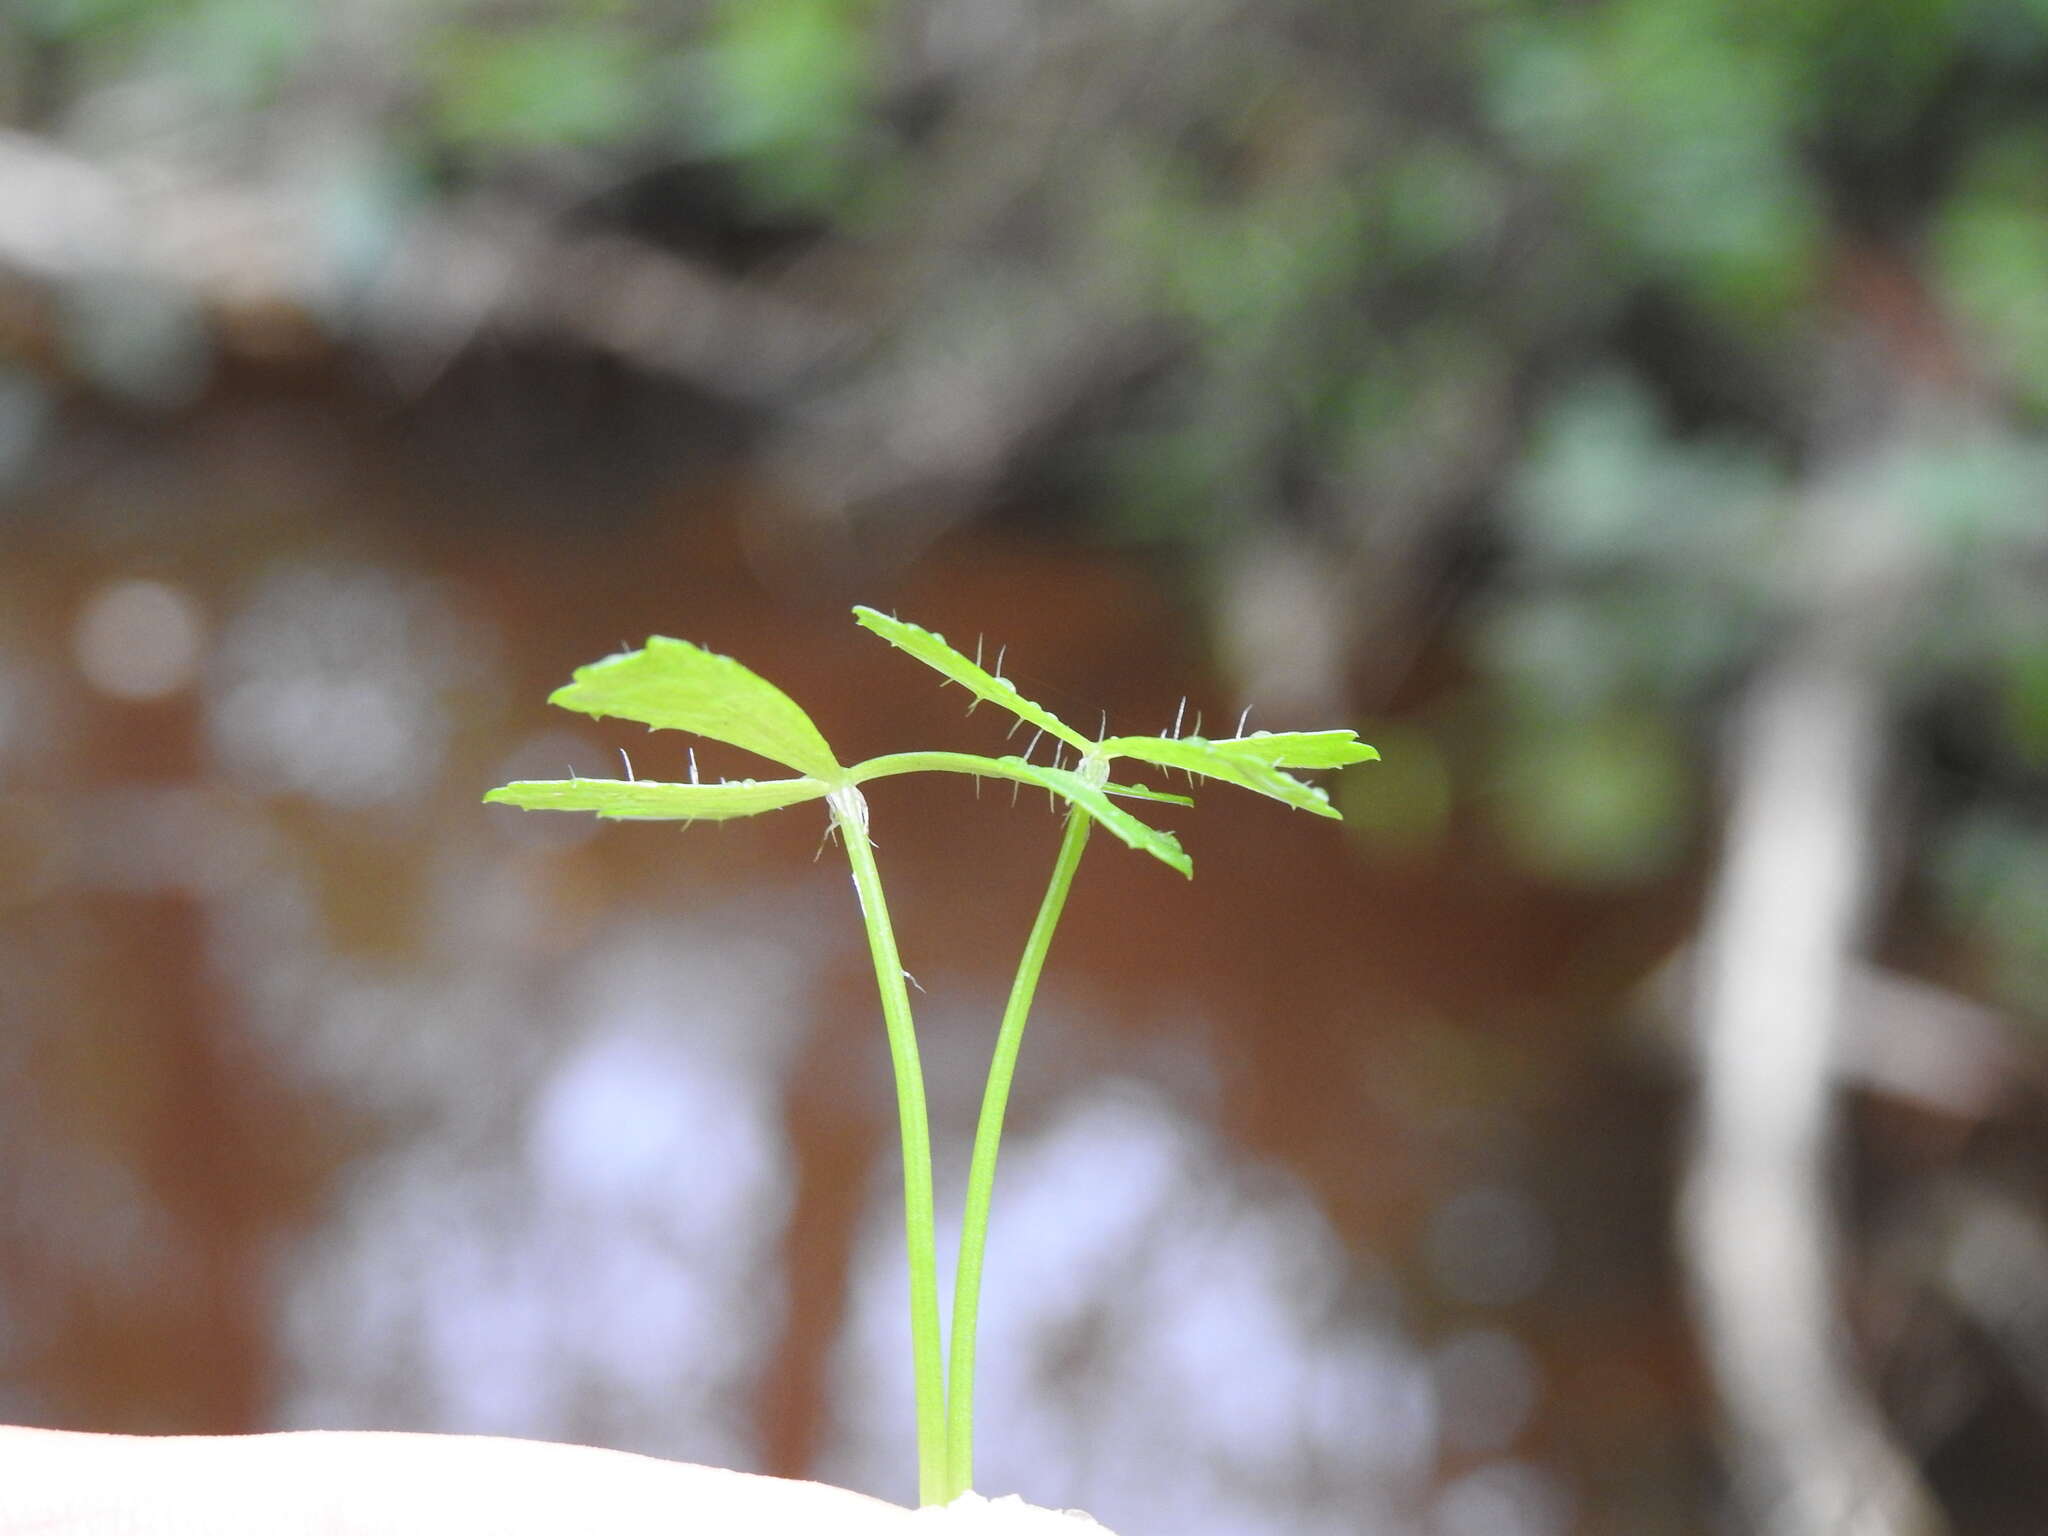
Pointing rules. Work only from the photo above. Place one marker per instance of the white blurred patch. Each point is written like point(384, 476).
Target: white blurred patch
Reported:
point(138, 639)
point(1488, 1385)
point(1508, 1498)
point(1162, 1343)
point(575, 1246)
point(335, 683)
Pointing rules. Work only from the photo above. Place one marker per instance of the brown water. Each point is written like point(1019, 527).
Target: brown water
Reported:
point(330, 1097)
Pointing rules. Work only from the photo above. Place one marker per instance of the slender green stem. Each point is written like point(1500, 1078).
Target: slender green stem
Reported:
point(921, 762)
point(988, 1135)
point(850, 813)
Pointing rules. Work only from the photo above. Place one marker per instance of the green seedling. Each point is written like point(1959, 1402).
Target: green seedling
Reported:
point(672, 685)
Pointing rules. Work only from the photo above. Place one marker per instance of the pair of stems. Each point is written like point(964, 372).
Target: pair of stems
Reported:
point(945, 1390)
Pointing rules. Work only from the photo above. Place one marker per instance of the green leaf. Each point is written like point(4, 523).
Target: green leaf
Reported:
point(673, 685)
point(1302, 749)
point(646, 800)
point(1253, 762)
point(932, 650)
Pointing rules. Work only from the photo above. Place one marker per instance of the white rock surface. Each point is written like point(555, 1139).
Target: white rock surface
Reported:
point(973, 1515)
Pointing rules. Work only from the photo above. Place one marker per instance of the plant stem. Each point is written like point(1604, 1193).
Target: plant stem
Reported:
point(850, 814)
point(988, 1135)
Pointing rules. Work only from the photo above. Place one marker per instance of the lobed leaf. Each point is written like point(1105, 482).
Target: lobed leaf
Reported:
point(1252, 762)
point(647, 800)
point(673, 685)
point(934, 652)
point(1303, 749)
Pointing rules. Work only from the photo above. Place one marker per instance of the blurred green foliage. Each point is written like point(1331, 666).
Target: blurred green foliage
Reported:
point(560, 82)
point(1990, 249)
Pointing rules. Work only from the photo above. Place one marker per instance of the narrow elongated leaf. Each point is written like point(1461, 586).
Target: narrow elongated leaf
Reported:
point(934, 652)
point(673, 685)
point(1302, 749)
point(646, 800)
point(1252, 762)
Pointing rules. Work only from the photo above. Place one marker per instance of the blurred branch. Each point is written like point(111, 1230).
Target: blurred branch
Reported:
point(1784, 919)
point(499, 267)
point(488, 263)
point(1814, 1457)
point(1898, 1036)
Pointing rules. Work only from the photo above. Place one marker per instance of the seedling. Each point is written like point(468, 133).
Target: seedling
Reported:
point(672, 685)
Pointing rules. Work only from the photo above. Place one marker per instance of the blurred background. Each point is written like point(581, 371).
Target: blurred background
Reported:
point(1632, 416)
